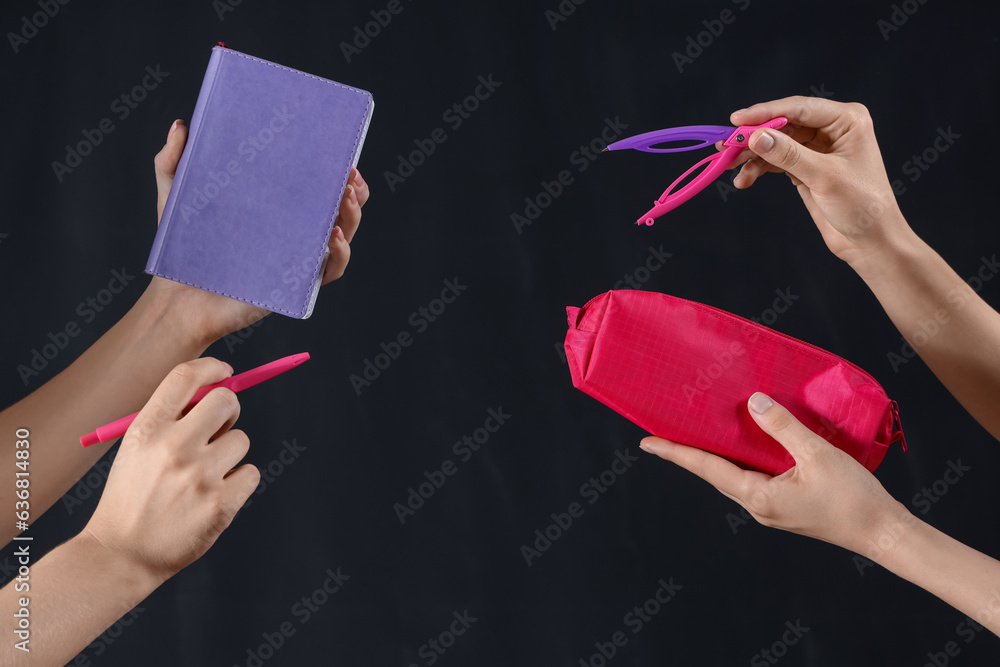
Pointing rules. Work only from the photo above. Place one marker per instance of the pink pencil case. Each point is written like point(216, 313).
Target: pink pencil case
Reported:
point(684, 371)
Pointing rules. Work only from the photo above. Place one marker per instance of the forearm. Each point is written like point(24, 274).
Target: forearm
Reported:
point(954, 331)
point(961, 576)
point(71, 595)
point(113, 378)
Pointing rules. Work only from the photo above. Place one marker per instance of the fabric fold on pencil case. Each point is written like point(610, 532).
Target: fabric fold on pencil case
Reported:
point(683, 371)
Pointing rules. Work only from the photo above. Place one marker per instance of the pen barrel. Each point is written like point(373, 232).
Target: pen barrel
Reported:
point(201, 393)
point(115, 429)
point(235, 383)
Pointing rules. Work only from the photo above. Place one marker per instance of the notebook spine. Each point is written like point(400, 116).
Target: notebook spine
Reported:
point(176, 190)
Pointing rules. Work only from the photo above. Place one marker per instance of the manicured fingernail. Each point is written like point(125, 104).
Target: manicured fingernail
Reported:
point(173, 127)
point(759, 403)
point(339, 233)
point(660, 447)
point(352, 194)
point(763, 143)
point(358, 181)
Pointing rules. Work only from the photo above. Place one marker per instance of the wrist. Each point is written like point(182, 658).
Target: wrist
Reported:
point(896, 246)
point(133, 578)
point(883, 532)
point(160, 310)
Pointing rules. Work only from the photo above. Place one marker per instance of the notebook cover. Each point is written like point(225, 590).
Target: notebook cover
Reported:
point(259, 185)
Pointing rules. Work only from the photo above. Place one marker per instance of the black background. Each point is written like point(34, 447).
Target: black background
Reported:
point(496, 345)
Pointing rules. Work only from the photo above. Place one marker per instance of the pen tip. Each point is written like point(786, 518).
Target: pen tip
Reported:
point(606, 149)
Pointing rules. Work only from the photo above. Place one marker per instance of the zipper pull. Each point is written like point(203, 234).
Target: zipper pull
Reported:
point(897, 426)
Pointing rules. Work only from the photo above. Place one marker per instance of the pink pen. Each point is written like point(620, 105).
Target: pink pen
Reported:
point(236, 383)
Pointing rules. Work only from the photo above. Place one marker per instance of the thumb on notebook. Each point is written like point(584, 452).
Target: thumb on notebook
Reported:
point(165, 163)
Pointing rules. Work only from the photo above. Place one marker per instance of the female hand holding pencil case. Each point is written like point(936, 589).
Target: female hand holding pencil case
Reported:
point(829, 152)
point(683, 370)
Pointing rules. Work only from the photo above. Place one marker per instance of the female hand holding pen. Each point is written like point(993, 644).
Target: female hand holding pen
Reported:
point(213, 316)
point(173, 489)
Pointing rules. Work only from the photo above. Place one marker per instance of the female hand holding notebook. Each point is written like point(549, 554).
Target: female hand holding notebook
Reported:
point(159, 511)
point(212, 316)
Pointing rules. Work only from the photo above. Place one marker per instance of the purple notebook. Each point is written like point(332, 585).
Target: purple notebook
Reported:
point(257, 190)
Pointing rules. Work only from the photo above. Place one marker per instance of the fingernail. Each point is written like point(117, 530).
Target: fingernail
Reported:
point(229, 367)
point(339, 233)
point(358, 180)
point(173, 127)
point(353, 194)
point(763, 143)
point(660, 448)
point(759, 403)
